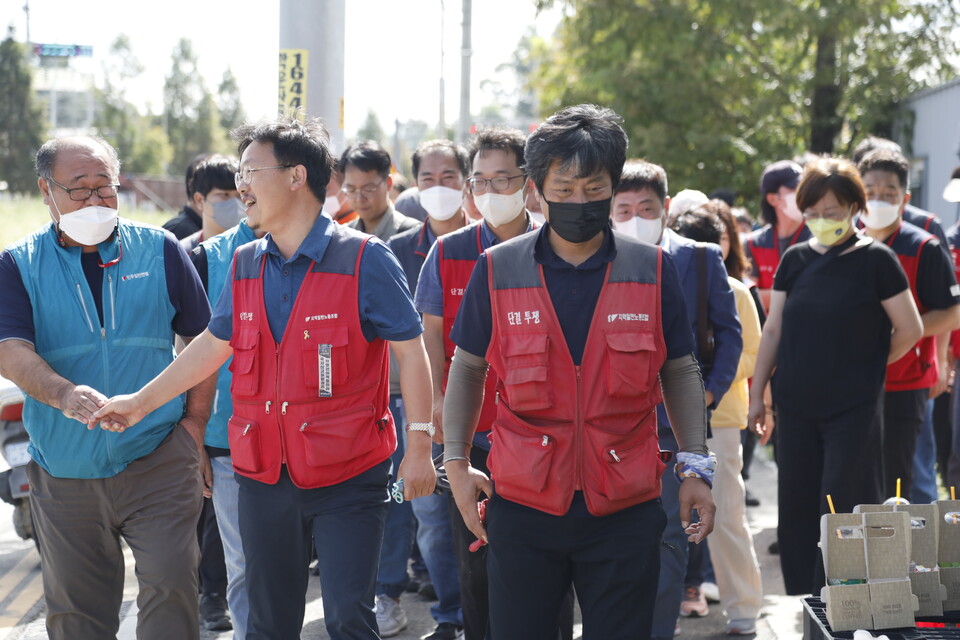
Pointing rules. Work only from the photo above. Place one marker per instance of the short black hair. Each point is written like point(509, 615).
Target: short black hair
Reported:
point(295, 142)
point(834, 175)
point(885, 159)
point(870, 143)
point(366, 156)
point(640, 174)
point(446, 147)
point(216, 171)
point(585, 138)
point(700, 224)
point(956, 174)
point(498, 138)
point(191, 169)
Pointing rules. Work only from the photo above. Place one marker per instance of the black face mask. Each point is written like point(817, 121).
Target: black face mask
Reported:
point(579, 221)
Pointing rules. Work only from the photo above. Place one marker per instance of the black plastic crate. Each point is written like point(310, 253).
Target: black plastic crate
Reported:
point(815, 626)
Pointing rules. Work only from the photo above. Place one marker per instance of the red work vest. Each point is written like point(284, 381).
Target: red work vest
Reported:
point(562, 428)
point(918, 368)
point(765, 248)
point(279, 416)
point(457, 253)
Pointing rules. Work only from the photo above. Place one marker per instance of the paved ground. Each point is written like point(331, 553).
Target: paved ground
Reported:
point(21, 603)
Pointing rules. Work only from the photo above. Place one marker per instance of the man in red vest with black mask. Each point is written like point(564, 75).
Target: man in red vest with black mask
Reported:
point(308, 317)
point(581, 325)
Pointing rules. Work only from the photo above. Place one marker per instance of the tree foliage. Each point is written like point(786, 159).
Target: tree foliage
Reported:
point(229, 102)
point(139, 140)
point(192, 119)
point(371, 129)
point(22, 125)
point(715, 89)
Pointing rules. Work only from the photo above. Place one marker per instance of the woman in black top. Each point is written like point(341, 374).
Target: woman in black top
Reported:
point(841, 309)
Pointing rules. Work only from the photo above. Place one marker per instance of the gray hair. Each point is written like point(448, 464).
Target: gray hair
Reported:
point(47, 155)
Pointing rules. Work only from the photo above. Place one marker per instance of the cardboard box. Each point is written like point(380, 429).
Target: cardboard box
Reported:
point(949, 551)
point(924, 548)
point(874, 547)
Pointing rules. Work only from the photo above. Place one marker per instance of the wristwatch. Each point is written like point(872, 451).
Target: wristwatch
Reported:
point(422, 426)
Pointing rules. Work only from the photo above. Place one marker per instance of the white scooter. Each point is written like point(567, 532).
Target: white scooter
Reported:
point(14, 441)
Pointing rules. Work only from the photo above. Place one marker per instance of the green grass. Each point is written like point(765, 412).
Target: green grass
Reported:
point(20, 216)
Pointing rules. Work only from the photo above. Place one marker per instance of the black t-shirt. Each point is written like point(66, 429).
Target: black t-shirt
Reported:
point(835, 335)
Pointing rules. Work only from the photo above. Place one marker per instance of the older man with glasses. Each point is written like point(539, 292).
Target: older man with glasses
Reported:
point(89, 305)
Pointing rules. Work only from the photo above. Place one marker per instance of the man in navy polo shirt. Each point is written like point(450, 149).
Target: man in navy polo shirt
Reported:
point(308, 317)
point(580, 324)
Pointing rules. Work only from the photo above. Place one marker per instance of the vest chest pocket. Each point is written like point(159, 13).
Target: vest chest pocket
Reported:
point(629, 363)
point(245, 444)
point(525, 358)
point(245, 365)
point(324, 358)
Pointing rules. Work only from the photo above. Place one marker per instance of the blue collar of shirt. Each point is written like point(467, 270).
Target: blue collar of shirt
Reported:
point(425, 240)
point(544, 254)
point(488, 238)
point(312, 248)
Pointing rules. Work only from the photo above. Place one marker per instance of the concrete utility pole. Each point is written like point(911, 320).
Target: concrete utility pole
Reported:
point(442, 124)
point(463, 127)
point(311, 61)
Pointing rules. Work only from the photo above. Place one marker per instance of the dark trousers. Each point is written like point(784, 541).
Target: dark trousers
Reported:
point(213, 568)
point(839, 456)
point(943, 433)
point(903, 413)
point(346, 520)
point(153, 504)
point(612, 561)
point(472, 567)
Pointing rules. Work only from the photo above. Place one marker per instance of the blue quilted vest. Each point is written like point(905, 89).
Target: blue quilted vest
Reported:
point(134, 344)
point(219, 250)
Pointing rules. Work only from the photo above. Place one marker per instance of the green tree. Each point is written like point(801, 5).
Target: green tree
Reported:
point(371, 129)
point(140, 143)
point(22, 125)
point(229, 102)
point(192, 119)
point(715, 90)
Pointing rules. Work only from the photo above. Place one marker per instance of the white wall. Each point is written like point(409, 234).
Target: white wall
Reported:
point(936, 142)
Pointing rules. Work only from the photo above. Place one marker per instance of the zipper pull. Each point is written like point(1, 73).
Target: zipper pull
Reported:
point(613, 454)
point(303, 426)
point(267, 406)
point(283, 408)
point(546, 441)
point(245, 429)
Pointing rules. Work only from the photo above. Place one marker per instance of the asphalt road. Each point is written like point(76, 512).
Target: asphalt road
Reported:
point(22, 610)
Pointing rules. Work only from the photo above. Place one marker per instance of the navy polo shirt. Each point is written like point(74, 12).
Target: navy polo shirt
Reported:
point(386, 306)
point(574, 292)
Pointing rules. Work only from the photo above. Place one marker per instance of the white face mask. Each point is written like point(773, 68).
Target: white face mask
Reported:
point(641, 228)
point(441, 203)
point(880, 214)
point(791, 208)
point(331, 205)
point(499, 209)
point(88, 226)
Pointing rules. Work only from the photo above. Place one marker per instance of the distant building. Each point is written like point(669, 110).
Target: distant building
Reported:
point(66, 94)
point(934, 147)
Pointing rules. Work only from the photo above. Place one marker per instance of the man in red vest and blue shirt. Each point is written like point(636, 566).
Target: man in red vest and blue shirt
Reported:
point(581, 325)
point(910, 379)
point(308, 317)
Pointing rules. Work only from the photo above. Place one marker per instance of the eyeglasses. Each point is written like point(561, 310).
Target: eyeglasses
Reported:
point(367, 190)
point(79, 194)
point(479, 185)
point(245, 175)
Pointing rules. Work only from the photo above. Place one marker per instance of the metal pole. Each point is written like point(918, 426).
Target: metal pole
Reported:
point(463, 126)
point(311, 61)
point(442, 124)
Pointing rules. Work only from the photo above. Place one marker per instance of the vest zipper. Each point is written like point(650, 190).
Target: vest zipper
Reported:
point(113, 305)
point(83, 303)
point(578, 435)
point(276, 393)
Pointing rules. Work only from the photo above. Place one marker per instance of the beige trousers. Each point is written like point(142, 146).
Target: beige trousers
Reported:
point(731, 543)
